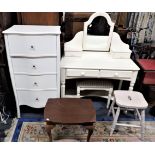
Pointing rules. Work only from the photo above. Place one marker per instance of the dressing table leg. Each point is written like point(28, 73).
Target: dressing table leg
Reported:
point(133, 79)
point(78, 91)
point(63, 89)
point(63, 81)
point(131, 85)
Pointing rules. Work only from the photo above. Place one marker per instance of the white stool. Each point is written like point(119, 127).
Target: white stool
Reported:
point(101, 85)
point(129, 100)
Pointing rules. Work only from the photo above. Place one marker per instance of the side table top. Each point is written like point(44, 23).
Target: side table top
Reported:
point(70, 111)
point(147, 64)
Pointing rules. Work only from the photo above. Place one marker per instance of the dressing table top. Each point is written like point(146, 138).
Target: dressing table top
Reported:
point(98, 60)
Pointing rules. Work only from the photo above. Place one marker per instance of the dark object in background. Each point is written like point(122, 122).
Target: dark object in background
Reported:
point(99, 26)
point(38, 18)
point(2, 136)
point(152, 111)
point(7, 19)
point(73, 23)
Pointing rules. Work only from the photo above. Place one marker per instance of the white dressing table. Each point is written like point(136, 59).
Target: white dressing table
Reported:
point(80, 61)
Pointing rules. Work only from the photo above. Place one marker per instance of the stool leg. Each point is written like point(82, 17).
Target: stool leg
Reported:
point(109, 98)
point(142, 124)
point(112, 108)
point(137, 114)
point(115, 120)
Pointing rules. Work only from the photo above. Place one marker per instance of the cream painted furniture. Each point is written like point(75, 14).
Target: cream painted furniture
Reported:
point(80, 62)
point(96, 42)
point(129, 100)
point(33, 54)
point(95, 86)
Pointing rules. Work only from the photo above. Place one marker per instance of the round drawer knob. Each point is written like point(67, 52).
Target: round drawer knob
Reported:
point(116, 74)
point(34, 66)
point(37, 99)
point(83, 73)
point(35, 83)
point(32, 47)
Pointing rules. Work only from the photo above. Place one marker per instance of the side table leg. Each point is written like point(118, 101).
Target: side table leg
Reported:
point(90, 132)
point(48, 130)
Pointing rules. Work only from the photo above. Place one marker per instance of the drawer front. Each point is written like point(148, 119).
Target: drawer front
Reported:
point(36, 99)
point(82, 73)
point(36, 82)
point(32, 44)
point(34, 65)
point(115, 74)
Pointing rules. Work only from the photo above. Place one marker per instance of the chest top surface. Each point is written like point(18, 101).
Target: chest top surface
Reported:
point(33, 29)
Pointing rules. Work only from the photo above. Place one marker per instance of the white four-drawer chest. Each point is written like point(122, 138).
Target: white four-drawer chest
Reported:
point(33, 54)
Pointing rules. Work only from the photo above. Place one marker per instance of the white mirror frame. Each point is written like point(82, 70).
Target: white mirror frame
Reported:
point(95, 37)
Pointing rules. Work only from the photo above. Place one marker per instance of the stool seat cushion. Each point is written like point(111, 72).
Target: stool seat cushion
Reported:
point(130, 99)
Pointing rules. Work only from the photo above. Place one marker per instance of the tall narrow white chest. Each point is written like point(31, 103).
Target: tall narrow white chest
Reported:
point(33, 54)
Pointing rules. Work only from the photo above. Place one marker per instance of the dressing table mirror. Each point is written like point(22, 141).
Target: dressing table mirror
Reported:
point(98, 32)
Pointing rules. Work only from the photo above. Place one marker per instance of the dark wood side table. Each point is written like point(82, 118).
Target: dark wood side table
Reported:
point(70, 111)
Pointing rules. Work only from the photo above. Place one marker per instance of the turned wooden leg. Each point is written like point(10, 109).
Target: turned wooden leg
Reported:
point(49, 127)
point(90, 132)
point(131, 86)
point(63, 89)
point(78, 91)
point(142, 124)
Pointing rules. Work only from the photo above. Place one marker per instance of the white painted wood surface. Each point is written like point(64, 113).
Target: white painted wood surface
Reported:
point(33, 29)
point(33, 54)
point(128, 100)
point(98, 67)
point(32, 44)
point(35, 82)
point(36, 99)
point(95, 42)
point(118, 49)
point(114, 63)
point(35, 66)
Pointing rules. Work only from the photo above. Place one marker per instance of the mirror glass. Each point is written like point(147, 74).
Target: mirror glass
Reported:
point(99, 26)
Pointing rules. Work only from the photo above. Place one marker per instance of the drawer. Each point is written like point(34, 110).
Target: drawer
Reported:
point(115, 74)
point(36, 99)
point(36, 82)
point(34, 65)
point(32, 44)
point(82, 73)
